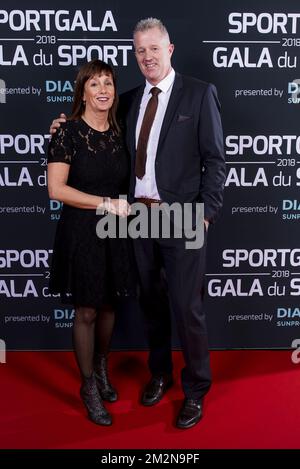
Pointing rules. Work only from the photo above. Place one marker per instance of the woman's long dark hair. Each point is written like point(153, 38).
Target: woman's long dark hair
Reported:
point(95, 67)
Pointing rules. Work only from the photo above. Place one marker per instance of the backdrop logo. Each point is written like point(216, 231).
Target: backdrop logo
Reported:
point(2, 351)
point(63, 318)
point(291, 209)
point(55, 209)
point(288, 317)
point(294, 91)
point(59, 91)
point(56, 47)
point(60, 314)
point(2, 92)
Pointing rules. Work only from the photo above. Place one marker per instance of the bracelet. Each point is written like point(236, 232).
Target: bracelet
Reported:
point(106, 204)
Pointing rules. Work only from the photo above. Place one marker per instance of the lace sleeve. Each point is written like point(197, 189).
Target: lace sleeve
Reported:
point(61, 147)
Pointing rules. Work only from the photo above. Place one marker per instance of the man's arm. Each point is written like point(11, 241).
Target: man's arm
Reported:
point(56, 123)
point(212, 153)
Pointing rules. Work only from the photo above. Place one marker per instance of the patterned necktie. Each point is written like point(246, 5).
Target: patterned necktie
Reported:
point(141, 151)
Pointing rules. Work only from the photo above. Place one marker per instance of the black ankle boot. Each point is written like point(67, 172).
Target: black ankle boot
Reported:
point(92, 401)
point(106, 391)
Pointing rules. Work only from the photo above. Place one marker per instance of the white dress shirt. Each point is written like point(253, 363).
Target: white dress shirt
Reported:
point(146, 187)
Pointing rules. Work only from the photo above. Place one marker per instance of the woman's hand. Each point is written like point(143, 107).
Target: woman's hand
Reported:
point(118, 207)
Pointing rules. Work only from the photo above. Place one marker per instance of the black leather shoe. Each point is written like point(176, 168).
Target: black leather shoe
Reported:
point(155, 389)
point(190, 413)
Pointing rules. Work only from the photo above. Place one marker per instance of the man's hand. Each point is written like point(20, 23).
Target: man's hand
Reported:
point(206, 222)
point(56, 123)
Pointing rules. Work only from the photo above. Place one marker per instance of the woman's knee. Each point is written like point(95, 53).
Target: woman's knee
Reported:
point(85, 315)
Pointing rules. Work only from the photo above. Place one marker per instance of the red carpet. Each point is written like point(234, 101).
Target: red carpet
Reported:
point(254, 403)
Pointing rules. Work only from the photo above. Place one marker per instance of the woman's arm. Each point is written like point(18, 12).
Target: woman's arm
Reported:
point(59, 190)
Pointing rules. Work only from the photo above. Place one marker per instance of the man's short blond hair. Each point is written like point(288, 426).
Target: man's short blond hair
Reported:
point(149, 23)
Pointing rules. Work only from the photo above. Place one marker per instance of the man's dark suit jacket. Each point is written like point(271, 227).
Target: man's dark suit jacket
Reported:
point(189, 165)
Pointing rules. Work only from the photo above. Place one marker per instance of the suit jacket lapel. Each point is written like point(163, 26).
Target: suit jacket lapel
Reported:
point(132, 120)
point(171, 108)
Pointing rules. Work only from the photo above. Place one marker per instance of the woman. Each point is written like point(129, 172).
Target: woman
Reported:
point(88, 168)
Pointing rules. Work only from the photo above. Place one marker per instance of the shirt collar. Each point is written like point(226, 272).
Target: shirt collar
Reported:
point(164, 84)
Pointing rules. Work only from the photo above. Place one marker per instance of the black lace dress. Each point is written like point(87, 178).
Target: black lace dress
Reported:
point(87, 270)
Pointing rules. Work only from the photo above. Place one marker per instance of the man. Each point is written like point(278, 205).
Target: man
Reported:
point(177, 155)
point(184, 163)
